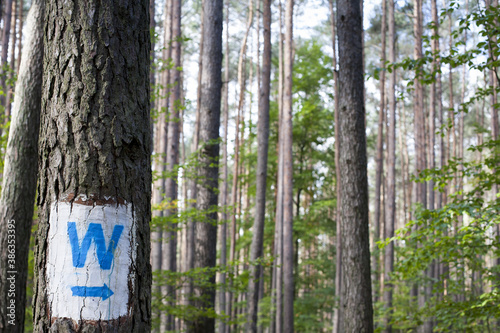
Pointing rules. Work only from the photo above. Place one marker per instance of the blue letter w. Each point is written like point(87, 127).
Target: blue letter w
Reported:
point(105, 256)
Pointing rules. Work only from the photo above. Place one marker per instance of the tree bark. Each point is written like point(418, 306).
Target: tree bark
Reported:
point(380, 153)
point(20, 38)
point(223, 247)
point(5, 46)
point(172, 159)
point(288, 284)
point(160, 147)
point(260, 197)
point(94, 169)
point(277, 319)
point(357, 311)
point(19, 183)
point(10, 89)
point(338, 252)
point(206, 231)
point(390, 201)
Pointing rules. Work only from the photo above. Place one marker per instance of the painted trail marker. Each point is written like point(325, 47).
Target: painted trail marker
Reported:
point(89, 258)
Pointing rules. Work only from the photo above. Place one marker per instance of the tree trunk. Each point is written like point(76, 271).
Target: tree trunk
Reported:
point(20, 38)
point(19, 184)
point(288, 284)
point(10, 90)
point(420, 151)
point(5, 47)
point(338, 252)
point(380, 155)
point(260, 197)
point(237, 144)
point(95, 170)
point(160, 147)
point(357, 311)
point(163, 125)
point(390, 201)
point(223, 243)
point(206, 230)
point(277, 319)
point(172, 159)
point(192, 187)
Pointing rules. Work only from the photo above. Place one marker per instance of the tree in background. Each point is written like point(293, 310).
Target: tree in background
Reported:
point(357, 311)
point(206, 230)
point(19, 187)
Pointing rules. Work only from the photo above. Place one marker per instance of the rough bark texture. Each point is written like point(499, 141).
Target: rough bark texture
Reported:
point(206, 231)
point(19, 184)
point(95, 137)
point(357, 311)
point(390, 202)
point(260, 197)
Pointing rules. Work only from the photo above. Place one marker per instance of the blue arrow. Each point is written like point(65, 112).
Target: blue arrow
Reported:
point(103, 291)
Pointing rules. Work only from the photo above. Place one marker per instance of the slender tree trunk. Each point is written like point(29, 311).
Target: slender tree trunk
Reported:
point(206, 230)
point(338, 252)
point(19, 184)
point(390, 201)
point(223, 254)
point(277, 288)
point(10, 91)
point(164, 125)
point(20, 38)
point(169, 258)
point(260, 198)
point(419, 123)
point(380, 154)
point(160, 141)
point(238, 144)
point(438, 93)
point(451, 109)
point(5, 47)
point(288, 283)
point(95, 170)
point(357, 310)
point(192, 183)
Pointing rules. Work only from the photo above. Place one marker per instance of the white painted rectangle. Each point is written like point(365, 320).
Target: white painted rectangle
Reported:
point(94, 287)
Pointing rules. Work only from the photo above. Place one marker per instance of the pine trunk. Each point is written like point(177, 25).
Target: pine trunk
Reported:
point(338, 252)
point(19, 184)
point(390, 201)
point(223, 242)
point(380, 155)
point(12, 65)
point(260, 197)
point(206, 230)
point(357, 310)
point(288, 284)
point(5, 47)
point(95, 170)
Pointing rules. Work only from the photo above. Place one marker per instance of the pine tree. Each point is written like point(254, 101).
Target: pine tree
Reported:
point(94, 170)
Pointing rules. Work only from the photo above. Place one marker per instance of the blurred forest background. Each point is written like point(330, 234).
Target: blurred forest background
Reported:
point(432, 131)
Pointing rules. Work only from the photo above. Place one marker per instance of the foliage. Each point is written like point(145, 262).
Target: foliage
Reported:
point(461, 237)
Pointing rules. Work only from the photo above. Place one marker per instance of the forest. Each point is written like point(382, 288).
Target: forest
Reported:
point(249, 166)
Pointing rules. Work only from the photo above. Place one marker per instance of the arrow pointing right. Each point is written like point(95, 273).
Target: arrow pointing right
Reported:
point(84, 291)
